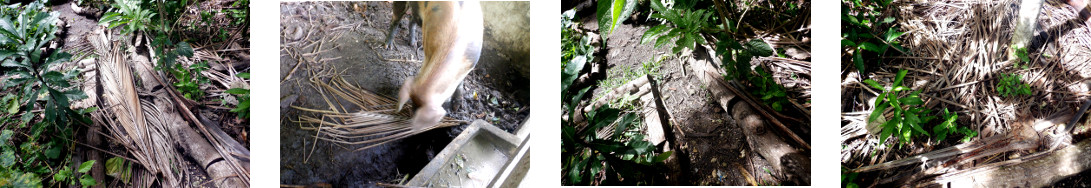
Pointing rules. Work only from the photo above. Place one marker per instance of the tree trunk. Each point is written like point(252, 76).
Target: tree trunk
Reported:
point(787, 161)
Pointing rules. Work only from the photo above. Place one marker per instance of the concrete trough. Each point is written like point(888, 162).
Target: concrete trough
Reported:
point(481, 156)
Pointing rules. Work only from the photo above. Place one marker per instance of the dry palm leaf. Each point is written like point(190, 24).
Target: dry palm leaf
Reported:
point(377, 123)
point(148, 144)
point(148, 121)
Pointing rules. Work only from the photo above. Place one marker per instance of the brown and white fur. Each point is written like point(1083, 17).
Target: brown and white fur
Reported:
point(452, 45)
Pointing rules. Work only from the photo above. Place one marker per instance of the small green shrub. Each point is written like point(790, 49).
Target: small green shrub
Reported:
point(859, 21)
point(684, 26)
point(190, 79)
point(1024, 58)
point(622, 156)
point(1012, 85)
point(243, 109)
point(576, 50)
point(847, 178)
point(575, 47)
point(240, 12)
point(130, 14)
point(31, 146)
point(736, 63)
point(65, 175)
point(909, 114)
point(769, 91)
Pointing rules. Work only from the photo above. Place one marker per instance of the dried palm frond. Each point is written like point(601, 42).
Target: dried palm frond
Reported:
point(377, 123)
point(148, 121)
point(128, 121)
point(957, 51)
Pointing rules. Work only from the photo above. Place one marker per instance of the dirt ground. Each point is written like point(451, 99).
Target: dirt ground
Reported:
point(348, 38)
point(716, 151)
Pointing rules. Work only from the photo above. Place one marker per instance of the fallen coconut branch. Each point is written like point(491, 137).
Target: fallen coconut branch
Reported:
point(151, 128)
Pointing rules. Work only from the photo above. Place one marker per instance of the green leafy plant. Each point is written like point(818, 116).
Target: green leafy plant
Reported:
point(736, 56)
point(768, 90)
point(21, 41)
point(240, 13)
point(1024, 58)
point(66, 175)
point(909, 115)
point(736, 63)
point(576, 50)
point(907, 119)
point(130, 14)
point(949, 127)
point(585, 154)
point(864, 28)
point(40, 93)
point(190, 79)
point(684, 26)
point(243, 109)
point(611, 13)
point(1012, 85)
point(847, 178)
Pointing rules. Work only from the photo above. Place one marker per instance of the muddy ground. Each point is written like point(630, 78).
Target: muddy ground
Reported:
point(712, 138)
point(350, 36)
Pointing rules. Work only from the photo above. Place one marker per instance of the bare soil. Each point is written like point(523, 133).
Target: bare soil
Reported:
point(715, 144)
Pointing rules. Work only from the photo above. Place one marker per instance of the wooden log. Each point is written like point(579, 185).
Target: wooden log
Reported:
point(773, 148)
point(1029, 171)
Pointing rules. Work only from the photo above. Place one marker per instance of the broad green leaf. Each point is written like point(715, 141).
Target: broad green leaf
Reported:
point(652, 33)
point(603, 117)
point(901, 75)
point(858, 59)
point(87, 180)
point(53, 152)
point(876, 113)
point(759, 48)
point(870, 47)
point(887, 131)
point(86, 166)
point(847, 43)
point(888, 20)
point(574, 101)
point(605, 146)
point(571, 72)
point(624, 124)
point(892, 34)
point(62, 174)
point(611, 13)
point(237, 91)
point(184, 49)
point(662, 156)
point(7, 158)
point(911, 101)
point(873, 84)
